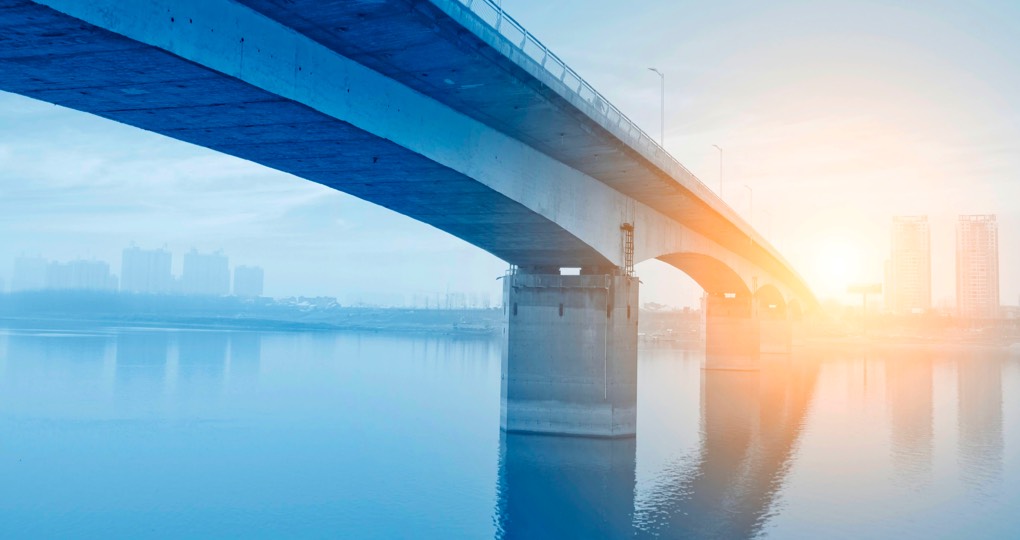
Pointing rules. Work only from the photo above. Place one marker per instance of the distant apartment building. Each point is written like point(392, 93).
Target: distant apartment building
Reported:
point(205, 274)
point(248, 281)
point(29, 274)
point(146, 271)
point(80, 275)
point(908, 282)
point(977, 267)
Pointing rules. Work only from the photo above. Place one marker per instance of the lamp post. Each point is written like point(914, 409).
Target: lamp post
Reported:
point(750, 204)
point(719, 148)
point(662, 106)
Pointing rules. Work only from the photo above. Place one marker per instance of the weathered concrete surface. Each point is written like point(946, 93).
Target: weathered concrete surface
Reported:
point(570, 358)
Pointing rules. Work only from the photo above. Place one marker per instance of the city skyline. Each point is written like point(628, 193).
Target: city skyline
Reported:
point(942, 242)
point(147, 271)
point(154, 271)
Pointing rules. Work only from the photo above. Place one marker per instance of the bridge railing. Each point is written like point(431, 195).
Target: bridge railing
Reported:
point(625, 128)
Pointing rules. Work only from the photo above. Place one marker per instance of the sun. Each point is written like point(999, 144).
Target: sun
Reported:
point(837, 265)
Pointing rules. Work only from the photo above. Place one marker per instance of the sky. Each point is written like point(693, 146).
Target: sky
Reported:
point(833, 117)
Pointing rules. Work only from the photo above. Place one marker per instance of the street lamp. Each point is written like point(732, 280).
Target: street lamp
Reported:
point(750, 204)
point(719, 148)
point(662, 107)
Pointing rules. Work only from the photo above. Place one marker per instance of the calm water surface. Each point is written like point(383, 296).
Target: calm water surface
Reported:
point(139, 433)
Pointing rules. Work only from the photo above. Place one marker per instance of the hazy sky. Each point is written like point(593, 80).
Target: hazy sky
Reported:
point(837, 115)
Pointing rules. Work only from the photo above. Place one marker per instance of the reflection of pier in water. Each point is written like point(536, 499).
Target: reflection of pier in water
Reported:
point(564, 487)
point(750, 424)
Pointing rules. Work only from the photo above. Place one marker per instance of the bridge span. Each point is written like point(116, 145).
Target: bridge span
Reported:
point(447, 111)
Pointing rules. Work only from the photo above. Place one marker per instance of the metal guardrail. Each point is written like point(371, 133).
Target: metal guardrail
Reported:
point(491, 14)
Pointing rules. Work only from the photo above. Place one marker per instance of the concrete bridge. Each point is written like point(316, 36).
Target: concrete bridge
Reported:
point(451, 113)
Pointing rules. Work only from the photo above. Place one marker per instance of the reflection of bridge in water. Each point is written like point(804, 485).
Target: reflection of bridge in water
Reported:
point(555, 487)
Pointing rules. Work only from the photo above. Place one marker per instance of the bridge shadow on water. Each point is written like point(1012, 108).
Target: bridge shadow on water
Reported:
point(572, 487)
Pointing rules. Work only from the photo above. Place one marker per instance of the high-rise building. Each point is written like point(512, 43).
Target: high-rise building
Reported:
point(29, 274)
point(206, 274)
point(248, 281)
point(977, 267)
point(145, 271)
point(909, 279)
point(80, 275)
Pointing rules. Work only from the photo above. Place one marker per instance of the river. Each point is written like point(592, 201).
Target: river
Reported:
point(154, 433)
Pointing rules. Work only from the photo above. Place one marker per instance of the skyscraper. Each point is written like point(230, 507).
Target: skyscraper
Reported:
point(145, 270)
point(977, 267)
point(909, 279)
point(80, 275)
point(206, 273)
point(248, 281)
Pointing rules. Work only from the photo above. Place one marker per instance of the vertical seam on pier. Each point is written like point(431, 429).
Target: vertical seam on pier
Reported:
point(605, 348)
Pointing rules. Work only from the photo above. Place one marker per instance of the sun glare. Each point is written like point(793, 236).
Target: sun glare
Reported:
point(837, 265)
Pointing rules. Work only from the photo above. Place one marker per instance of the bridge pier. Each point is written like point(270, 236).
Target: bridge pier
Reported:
point(732, 339)
point(569, 363)
point(736, 334)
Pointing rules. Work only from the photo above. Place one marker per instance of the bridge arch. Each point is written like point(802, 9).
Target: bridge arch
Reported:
point(728, 293)
point(714, 276)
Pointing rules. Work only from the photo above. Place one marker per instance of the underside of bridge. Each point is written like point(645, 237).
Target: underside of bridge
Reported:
point(418, 106)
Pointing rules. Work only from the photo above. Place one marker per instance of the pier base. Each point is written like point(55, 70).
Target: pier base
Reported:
point(570, 358)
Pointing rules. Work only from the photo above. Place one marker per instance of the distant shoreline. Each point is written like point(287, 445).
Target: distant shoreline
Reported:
point(252, 324)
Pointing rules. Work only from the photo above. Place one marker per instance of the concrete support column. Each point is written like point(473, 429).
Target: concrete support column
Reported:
point(732, 339)
point(570, 358)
